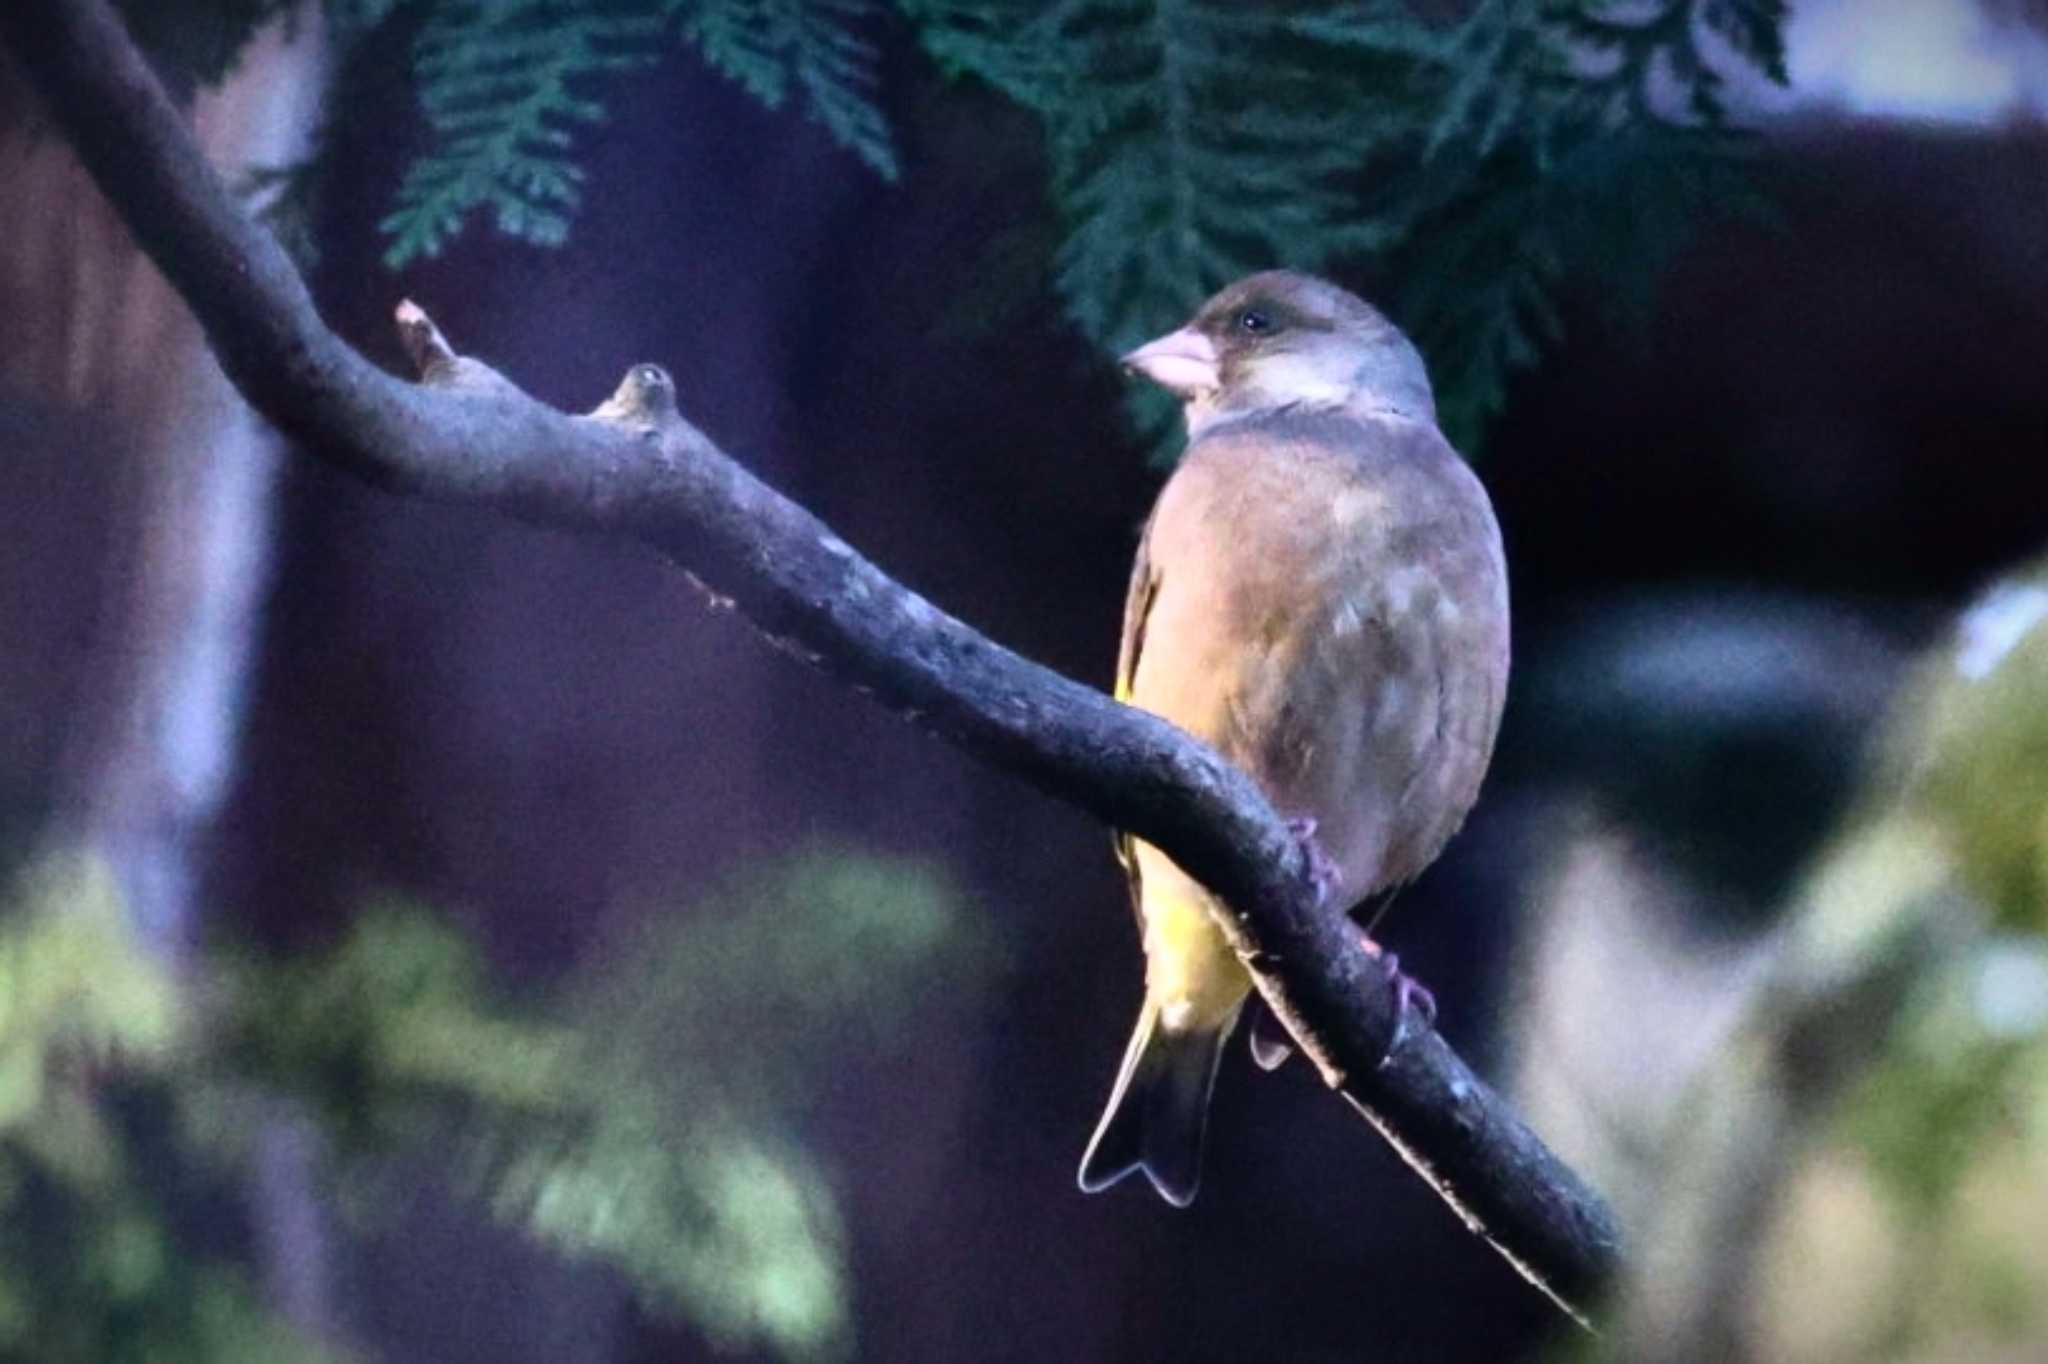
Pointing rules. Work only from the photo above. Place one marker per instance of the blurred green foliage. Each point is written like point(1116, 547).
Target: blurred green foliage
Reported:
point(1975, 753)
point(1954, 830)
point(647, 1114)
point(91, 1027)
point(1468, 166)
point(1950, 1120)
point(1964, 1068)
point(1872, 1149)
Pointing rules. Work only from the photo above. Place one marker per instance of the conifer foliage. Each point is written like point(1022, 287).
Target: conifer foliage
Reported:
point(1459, 168)
point(1463, 169)
point(497, 81)
point(504, 84)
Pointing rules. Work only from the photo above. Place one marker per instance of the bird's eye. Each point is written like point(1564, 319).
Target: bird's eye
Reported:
point(1253, 322)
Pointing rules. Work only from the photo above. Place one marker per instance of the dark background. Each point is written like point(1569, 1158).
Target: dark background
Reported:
point(1837, 416)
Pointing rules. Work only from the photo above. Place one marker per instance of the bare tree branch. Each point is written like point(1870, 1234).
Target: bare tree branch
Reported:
point(468, 435)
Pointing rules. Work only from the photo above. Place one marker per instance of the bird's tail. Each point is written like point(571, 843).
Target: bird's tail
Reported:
point(1159, 1109)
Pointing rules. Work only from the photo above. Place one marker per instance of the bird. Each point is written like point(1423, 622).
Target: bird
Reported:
point(1320, 594)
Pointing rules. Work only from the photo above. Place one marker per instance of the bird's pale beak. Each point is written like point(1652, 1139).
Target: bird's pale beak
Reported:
point(1182, 362)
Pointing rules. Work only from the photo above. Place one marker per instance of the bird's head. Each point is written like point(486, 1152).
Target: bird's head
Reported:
point(1283, 339)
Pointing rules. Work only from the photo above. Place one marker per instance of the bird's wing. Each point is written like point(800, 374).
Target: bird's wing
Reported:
point(1137, 606)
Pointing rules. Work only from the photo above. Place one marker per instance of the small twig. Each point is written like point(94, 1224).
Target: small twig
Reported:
point(471, 436)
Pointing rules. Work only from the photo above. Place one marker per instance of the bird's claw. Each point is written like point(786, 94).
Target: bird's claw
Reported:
point(1325, 873)
point(1412, 999)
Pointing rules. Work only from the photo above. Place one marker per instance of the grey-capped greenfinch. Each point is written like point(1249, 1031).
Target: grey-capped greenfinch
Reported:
point(1320, 594)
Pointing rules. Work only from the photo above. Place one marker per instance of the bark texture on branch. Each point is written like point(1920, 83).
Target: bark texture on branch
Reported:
point(635, 468)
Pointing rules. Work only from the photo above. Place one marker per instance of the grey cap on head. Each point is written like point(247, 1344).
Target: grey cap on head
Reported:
point(1282, 338)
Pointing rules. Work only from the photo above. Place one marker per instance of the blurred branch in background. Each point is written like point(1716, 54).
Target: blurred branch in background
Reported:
point(469, 435)
point(618, 1122)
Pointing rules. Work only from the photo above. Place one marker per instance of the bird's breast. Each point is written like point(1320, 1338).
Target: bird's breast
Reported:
point(1337, 627)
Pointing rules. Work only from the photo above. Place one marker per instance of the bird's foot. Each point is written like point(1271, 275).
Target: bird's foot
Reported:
point(1325, 873)
point(1412, 999)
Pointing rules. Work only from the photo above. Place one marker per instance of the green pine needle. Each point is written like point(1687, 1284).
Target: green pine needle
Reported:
point(505, 83)
point(1478, 165)
point(816, 47)
point(498, 82)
